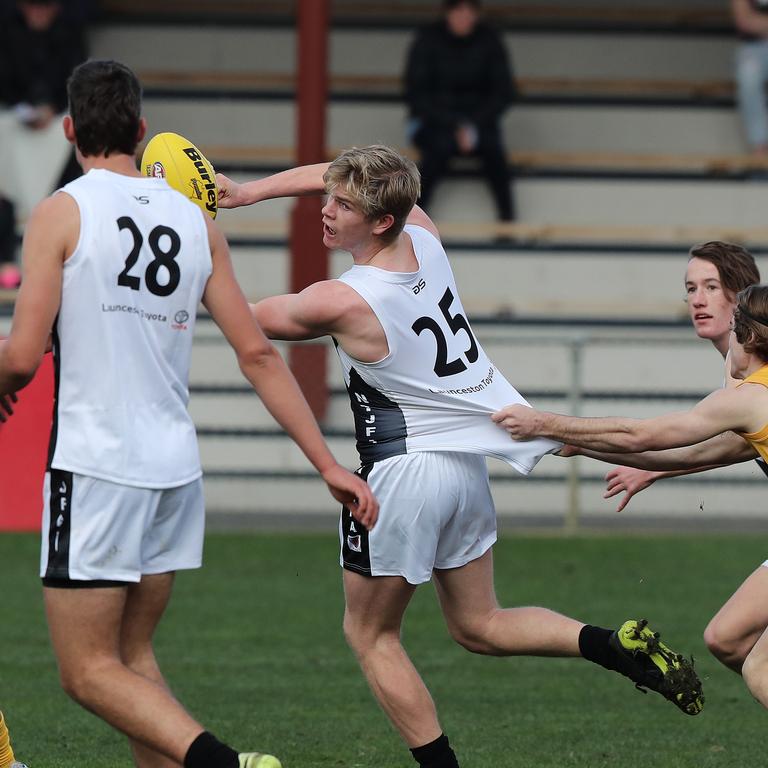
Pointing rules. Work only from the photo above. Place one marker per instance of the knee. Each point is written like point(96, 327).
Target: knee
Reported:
point(717, 644)
point(80, 681)
point(755, 674)
point(350, 635)
point(722, 645)
point(474, 636)
point(358, 637)
point(371, 641)
point(139, 658)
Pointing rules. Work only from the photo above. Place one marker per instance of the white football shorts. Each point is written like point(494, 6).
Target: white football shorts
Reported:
point(97, 531)
point(436, 511)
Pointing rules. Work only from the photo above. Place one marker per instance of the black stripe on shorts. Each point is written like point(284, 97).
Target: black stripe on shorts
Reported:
point(354, 545)
point(83, 584)
point(60, 515)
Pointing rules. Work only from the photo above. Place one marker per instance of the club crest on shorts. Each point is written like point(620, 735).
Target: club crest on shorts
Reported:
point(354, 543)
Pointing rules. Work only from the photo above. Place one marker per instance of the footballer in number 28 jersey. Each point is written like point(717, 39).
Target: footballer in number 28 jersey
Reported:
point(131, 290)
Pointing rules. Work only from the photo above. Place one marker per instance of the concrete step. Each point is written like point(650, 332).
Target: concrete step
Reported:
point(526, 127)
point(381, 53)
point(672, 16)
point(646, 204)
point(540, 359)
point(730, 205)
point(568, 284)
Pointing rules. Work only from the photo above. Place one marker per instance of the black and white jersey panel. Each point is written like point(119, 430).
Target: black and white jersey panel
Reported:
point(436, 388)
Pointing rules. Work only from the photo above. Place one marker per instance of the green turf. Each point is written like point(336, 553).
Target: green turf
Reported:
point(252, 644)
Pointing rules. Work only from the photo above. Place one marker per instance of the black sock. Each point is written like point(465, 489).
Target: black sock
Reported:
point(206, 751)
point(594, 646)
point(436, 754)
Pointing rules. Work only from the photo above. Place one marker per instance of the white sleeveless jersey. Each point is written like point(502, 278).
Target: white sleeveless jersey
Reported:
point(123, 336)
point(436, 388)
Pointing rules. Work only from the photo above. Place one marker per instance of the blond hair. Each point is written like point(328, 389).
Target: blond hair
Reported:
point(379, 180)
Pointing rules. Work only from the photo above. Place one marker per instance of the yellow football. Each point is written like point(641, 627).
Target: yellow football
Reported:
point(173, 158)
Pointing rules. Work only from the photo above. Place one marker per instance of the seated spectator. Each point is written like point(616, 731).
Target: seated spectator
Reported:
point(458, 84)
point(10, 276)
point(751, 20)
point(41, 41)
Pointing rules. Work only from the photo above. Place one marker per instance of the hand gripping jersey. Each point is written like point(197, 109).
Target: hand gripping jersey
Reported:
point(123, 336)
point(436, 389)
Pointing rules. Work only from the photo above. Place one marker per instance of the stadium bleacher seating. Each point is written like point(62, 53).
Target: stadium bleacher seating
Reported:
point(625, 149)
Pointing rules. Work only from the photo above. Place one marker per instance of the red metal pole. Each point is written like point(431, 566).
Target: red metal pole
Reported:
point(309, 257)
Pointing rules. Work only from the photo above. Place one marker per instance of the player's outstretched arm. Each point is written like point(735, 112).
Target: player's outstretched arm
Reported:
point(265, 369)
point(722, 411)
point(719, 451)
point(321, 309)
point(295, 182)
point(51, 234)
point(639, 471)
point(630, 481)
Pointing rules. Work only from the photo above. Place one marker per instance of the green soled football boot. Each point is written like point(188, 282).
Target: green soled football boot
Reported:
point(645, 660)
point(258, 760)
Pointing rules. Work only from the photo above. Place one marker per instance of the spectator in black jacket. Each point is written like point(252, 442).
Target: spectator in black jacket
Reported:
point(458, 83)
point(41, 45)
point(41, 42)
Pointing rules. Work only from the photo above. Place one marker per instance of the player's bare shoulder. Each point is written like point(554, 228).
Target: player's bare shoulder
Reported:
point(419, 218)
point(59, 203)
point(333, 305)
point(56, 221)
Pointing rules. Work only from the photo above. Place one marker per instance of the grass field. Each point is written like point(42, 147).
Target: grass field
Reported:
point(252, 644)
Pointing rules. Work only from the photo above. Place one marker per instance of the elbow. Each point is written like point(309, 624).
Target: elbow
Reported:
point(18, 370)
point(269, 332)
point(635, 441)
point(257, 355)
point(262, 317)
point(20, 380)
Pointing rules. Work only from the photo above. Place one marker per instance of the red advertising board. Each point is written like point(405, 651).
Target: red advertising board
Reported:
point(24, 451)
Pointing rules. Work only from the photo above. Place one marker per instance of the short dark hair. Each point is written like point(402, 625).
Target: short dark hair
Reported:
point(735, 264)
point(750, 320)
point(449, 5)
point(105, 106)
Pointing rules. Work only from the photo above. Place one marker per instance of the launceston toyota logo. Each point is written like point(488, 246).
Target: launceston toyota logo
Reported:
point(180, 320)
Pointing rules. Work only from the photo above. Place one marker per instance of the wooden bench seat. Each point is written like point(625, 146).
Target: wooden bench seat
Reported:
point(391, 86)
point(540, 234)
point(690, 17)
point(704, 164)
